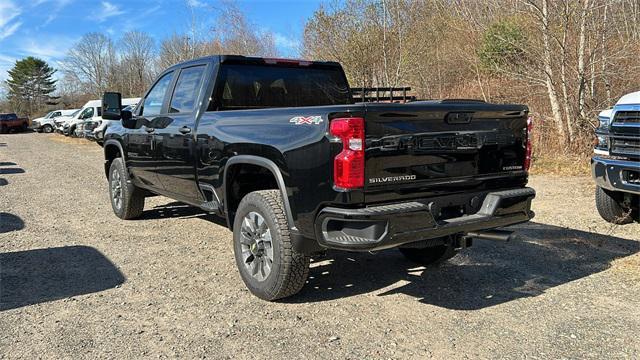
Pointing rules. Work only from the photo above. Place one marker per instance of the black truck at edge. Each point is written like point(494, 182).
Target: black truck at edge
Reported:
point(281, 151)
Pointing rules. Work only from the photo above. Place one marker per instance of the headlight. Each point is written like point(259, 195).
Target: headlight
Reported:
point(604, 123)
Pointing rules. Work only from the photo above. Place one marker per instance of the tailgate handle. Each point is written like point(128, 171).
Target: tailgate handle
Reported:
point(459, 118)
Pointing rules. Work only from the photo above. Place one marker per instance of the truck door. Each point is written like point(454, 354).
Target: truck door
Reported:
point(176, 146)
point(142, 155)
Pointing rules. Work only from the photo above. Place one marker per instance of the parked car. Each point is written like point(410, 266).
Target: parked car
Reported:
point(61, 120)
point(280, 150)
point(616, 161)
point(99, 124)
point(11, 121)
point(89, 110)
point(47, 123)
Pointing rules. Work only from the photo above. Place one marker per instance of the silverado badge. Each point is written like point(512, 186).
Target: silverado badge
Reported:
point(303, 120)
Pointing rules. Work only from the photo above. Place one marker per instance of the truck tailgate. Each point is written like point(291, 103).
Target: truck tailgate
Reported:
point(428, 147)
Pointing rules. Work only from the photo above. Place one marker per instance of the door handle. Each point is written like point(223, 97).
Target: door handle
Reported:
point(185, 130)
point(149, 130)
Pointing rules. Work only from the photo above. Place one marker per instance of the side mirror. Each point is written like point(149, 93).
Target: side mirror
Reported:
point(111, 105)
point(128, 122)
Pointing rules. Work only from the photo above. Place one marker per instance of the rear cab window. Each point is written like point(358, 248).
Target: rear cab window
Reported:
point(9, 116)
point(255, 86)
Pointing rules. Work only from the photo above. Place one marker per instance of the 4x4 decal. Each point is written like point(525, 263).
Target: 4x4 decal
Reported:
point(303, 120)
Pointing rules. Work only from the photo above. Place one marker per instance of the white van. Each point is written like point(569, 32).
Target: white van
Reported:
point(92, 108)
point(47, 123)
point(102, 124)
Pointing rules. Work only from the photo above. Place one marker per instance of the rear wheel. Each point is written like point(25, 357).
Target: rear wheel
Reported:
point(127, 200)
point(433, 255)
point(269, 266)
point(47, 129)
point(611, 207)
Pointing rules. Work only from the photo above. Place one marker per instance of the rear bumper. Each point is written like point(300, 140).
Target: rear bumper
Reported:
point(615, 175)
point(387, 226)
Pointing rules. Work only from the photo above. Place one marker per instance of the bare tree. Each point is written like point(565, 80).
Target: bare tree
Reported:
point(91, 61)
point(137, 56)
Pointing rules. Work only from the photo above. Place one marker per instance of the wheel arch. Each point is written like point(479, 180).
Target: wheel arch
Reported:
point(112, 149)
point(262, 162)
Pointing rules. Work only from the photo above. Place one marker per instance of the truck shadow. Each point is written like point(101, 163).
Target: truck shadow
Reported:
point(42, 275)
point(485, 275)
point(10, 222)
point(180, 210)
point(3, 182)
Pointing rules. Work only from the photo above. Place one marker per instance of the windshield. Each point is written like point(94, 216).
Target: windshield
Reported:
point(74, 113)
point(48, 115)
point(245, 86)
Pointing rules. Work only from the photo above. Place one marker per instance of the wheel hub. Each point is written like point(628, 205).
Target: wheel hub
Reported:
point(256, 246)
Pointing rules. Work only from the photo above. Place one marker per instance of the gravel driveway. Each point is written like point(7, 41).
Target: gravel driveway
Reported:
point(76, 282)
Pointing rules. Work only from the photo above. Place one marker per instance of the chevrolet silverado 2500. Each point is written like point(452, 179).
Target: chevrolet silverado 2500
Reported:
point(280, 150)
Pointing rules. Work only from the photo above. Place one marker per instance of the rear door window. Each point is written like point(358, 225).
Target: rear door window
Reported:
point(186, 90)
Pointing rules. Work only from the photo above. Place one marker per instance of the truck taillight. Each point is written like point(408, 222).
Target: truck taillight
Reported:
point(528, 147)
point(348, 165)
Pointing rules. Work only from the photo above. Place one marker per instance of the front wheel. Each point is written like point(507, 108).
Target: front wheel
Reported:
point(47, 129)
point(611, 207)
point(127, 200)
point(269, 266)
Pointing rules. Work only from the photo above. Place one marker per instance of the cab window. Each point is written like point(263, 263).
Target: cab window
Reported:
point(152, 104)
point(186, 90)
point(86, 113)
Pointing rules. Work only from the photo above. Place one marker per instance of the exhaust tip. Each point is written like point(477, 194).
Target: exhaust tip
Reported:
point(494, 235)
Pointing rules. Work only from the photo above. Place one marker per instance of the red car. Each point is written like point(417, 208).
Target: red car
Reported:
point(10, 121)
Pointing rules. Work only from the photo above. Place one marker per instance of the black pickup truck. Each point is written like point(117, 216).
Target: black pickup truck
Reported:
point(280, 150)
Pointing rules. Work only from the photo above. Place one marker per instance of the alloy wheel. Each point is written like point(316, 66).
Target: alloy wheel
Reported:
point(116, 189)
point(256, 245)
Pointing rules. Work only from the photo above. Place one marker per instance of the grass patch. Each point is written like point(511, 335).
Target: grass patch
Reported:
point(561, 166)
point(70, 140)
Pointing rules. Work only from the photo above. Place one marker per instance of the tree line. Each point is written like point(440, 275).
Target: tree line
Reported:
point(128, 65)
point(566, 59)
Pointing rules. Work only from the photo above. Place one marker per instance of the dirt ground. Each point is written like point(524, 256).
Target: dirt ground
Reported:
point(76, 282)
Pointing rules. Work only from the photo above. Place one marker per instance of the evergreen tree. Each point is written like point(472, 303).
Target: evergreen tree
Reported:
point(30, 84)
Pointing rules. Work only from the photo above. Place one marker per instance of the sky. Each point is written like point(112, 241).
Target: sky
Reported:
point(48, 28)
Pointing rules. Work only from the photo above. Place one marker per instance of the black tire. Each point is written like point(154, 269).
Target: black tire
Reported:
point(609, 205)
point(131, 197)
point(289, 269)
point(47, 129)
point(429, 256)
point(3, 129)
